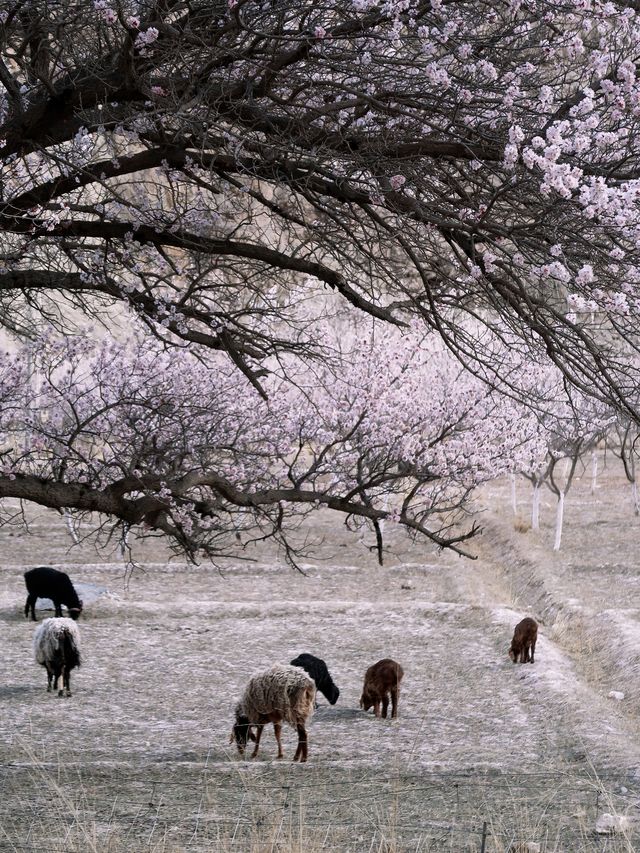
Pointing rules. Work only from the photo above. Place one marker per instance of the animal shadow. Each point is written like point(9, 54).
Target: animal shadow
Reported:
point(16, 691)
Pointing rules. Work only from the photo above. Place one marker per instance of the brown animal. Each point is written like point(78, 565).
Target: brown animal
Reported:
point(380, 680)
point(523, 644)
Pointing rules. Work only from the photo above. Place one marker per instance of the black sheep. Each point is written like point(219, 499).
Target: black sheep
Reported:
point(45, 582)
point(317, 669)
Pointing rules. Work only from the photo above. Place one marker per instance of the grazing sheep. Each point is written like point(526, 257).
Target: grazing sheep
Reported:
point(317, 669)
point(56, 645)
point(45, 582)
point(381, 679)
point(283, 692)
point(523, 644)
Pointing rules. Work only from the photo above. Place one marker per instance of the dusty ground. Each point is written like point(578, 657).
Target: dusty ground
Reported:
point(138, 759)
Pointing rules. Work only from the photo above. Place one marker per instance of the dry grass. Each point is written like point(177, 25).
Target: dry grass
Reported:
point(521, 525)
point(138, 760)
point(64, 811)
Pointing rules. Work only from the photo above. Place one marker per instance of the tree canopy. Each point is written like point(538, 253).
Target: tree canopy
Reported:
point(227, 174)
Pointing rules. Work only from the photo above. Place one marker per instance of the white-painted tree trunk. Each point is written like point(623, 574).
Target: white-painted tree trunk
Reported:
point(535, 508)
point(559, 522)
point(385, 507)
point(68, 520)
point(514, 499)
point(594, 472)
point(636, 502)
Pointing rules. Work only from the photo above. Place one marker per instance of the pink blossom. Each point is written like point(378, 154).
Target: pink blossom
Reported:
point(585, 274)
point(147, 37)
point(397, 181)
point(510, 156)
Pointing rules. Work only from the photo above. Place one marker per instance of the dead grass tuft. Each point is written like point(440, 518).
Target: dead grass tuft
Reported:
point(520, 525)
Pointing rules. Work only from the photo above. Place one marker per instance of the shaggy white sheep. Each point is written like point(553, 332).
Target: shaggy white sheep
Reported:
point(56, 645)
point(282, 693)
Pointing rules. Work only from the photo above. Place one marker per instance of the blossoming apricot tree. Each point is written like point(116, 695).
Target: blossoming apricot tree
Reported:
point(229, 171)
point(148, 437)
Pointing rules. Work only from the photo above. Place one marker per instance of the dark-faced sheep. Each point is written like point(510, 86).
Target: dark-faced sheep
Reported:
point(523, 645)
point(56, 645)
point(45, 582)
point(381, 681)
point(283, 693)
point(317, 669)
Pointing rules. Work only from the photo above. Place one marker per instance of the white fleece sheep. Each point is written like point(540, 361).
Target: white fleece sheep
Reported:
point(282, 693)
point(56, 645)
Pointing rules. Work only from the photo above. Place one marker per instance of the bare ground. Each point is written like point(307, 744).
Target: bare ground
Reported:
point(138, 759)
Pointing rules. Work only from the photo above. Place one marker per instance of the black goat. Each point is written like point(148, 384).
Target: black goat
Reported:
point(45, 582)
point(317, 669)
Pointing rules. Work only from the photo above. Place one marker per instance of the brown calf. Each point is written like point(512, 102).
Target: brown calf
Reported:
point(380, 680)
point(523, 644)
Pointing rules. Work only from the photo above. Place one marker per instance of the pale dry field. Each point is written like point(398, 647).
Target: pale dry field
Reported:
point(139, 760)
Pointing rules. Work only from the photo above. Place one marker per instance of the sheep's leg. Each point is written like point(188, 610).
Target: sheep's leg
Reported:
point(277, 730)
point(376, 707)
point(533, 650)
point(394, 702)
point(61, 675)
point(49, 679)
point(302, 750)
point(259, 728)
point(385, 706)
point(66, 682)
point(30, 605)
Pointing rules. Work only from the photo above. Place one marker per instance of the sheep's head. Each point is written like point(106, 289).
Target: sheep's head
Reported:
point(241, 731)
point(513, 654)
point(74, 612)
point(330, 691)
point(366, 700)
